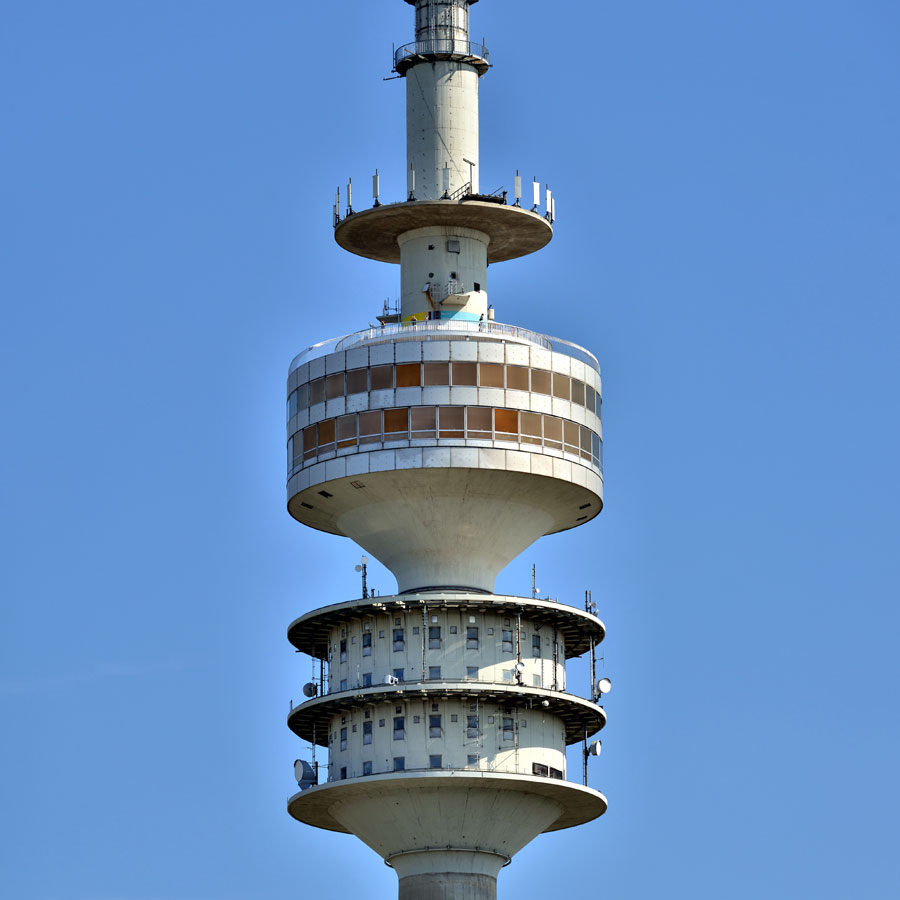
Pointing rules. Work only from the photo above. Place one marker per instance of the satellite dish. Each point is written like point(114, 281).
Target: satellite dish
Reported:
point(604, 686)
point(594, 748)
point(520, 667)
point(391, 679)
point(310, 689)
point(357, 568)
point(305, 774)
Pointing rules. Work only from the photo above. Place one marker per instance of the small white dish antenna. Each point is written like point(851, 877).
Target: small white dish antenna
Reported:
point(594, 748)
point(520, 667)
point(310, 689)
point(305, 774)
point(604, 686)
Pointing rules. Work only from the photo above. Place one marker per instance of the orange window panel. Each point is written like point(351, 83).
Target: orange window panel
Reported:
point(357, 381)
point(409, 375)
point(540, 381)
point(346, 431)
point(553, 432)
point(572, 436)
point(326, 433)
point(531, 427)
point(310, 441)
point(334, 386)
point(465, 373)
point(506, 423)
point(490, 375)
point(478, 422)
point(370, 427)
point(450, 420)
point(562, 386)
point(396, 421)
point(381, 377)
point(517, 378)
point(578, 392)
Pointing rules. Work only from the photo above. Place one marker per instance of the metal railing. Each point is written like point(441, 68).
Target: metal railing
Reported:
point(442, 47)
point(444, 329)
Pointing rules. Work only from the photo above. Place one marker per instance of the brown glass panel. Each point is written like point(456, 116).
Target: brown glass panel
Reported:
point(478, 422)
point(572, 436)
point(409, 375)
point(561, 386)
point(396, 422)
point(326, 434)
point(506, 424)
point(464, 373)
point(310, 441)
point(334, 386)
point(589, 398)
point(490, 375)
point(553, 432)
point(585, 442)
point(370, 427)
point(381, 377)
point(422, 421)
point(437, 373)
point(540, 381)
point(517, 378)
point(317, 391)
point(346, 431)
point(357, 381)
point(578, 392)
point(530, 424)
point(450, 421)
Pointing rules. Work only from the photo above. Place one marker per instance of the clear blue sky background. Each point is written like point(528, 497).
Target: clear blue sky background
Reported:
point(727, 244)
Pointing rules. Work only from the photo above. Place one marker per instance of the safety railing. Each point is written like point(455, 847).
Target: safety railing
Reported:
point(441, 47)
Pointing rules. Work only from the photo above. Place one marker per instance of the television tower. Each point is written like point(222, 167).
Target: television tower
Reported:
point(444, 443)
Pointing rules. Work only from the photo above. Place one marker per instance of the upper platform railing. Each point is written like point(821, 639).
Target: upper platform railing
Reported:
point(444, 329)
point(441, 47)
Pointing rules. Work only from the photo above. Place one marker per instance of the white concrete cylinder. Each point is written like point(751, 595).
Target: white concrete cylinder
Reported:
point(442, 126)
point(452, 262)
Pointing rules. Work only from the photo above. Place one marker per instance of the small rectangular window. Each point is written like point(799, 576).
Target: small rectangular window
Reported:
point(436, 373)
point(434, 637)
point(452, 629)
point(506, 424)
point(292, 405)
point(408, 375)
point(343, 773)
point(490, 375)
point(310, 441)
point(434, 761)
point(357, 381)
point(381, 378)
point(399, 728)
point(434, 672)
point(553, 432)
point(398, 640)
point(555, 773)
point(326, 435)
point(346, 431)
point(343, 738)
point(472, 759)
point(572, 434)
point(317, 391)
point(536, 645)
point(343, 650)
point(507, 642)
point(589, 398)
point(539, 769)
point(530, 424)
point(370, 427)
point(422, 421)
point(343, 684)
point(450, 421)
point(585, 442)
point(472, 637)
point(472, 672)
point(367, 644)
point(472, 726)
point(508, 731)
point(562, 386)
point(434, 726)
point(399, 763)
point(396, 423)
point(334, 386)
point(303, 396)
point(517, 378)
point(367, 732)
point(478, 423)
point(540, 381)
point(398, 674)
point(367, 768)
point(464, 373)
point(367, 679)
point(578, 392)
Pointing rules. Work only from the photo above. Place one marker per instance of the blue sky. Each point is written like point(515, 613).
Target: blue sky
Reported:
point(727, 196)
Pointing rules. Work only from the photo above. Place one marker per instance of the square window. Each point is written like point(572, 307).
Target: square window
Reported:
point(367, 768)
point(472, 760)
point(472, 672)
point(478, 423)
point(436, 373)
point(334, 386)
point(454, 717)
point(381, 378)
point(452, 629)
point(357, 381)
point(464, 373)
point(396, 423)
point(540, 381)
point(399, 763)
point(506, 424)
point(398, 674)
point(434, 761)
point(397, 620)
point(490, 720)
point(507, 674)
point(490, 375)
point(408, 375)
point(517, 378)
point(451, 421)
point(434, 672)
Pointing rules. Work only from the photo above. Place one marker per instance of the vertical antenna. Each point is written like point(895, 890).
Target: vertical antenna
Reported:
point(349, 196)
point(446, 181)
point(517, 188)
point(411, 184)
point(536, 191)
point(553, 211)
point(376, 188)
point(534, 590)
point(548, 202)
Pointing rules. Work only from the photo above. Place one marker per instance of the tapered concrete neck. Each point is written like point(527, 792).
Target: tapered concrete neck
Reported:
point(463, 874)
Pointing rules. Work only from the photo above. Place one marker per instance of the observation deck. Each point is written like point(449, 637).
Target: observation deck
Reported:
point(469, 52)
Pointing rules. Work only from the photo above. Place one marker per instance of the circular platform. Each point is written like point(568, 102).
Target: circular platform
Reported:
point(313, 806)
point(513, 231)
